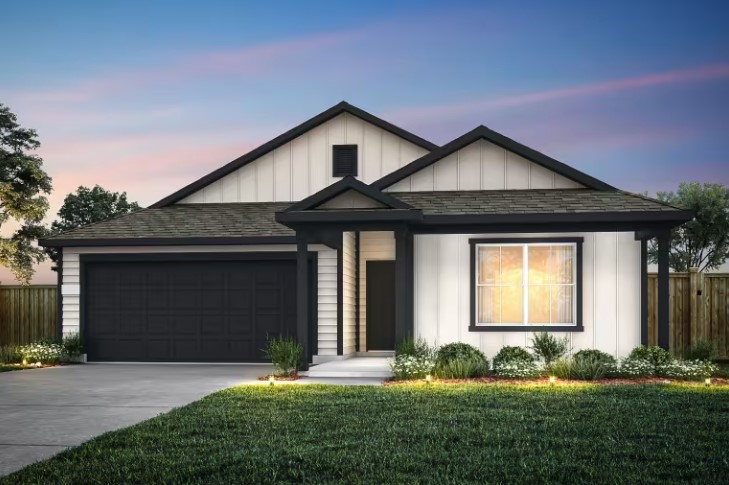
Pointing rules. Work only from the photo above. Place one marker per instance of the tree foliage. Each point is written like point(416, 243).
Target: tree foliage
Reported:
point(86, 206)
point(703, 242)
point(22, 203)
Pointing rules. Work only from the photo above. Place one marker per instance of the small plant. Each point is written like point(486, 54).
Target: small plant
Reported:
point(596, 354)
point(460, 361)
point(285, 353)
point(511, 354)
point(73, 345)
point(10, 354)
point(688, 369)
point(43, 351)
point(590, 367)
point(415, 348)
point(517, 369)
point(408, 367)
point(655, 356)
point(631, 368)
point(549, 348)
point(701, 350)
point(561, 368)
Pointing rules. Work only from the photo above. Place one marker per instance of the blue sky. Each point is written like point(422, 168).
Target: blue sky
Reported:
point(146, 97)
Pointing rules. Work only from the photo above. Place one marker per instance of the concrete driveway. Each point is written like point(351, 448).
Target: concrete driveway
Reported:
point(44, 411)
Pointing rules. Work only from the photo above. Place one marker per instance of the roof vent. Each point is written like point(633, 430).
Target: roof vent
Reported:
point(344, 160)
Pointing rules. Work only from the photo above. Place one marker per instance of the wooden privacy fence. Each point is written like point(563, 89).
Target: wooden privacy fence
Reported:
point(28, 313)
point(698, 310)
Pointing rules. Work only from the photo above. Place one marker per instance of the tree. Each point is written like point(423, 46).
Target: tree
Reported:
point(86, 206)
point(703, 242)
point(22, 203)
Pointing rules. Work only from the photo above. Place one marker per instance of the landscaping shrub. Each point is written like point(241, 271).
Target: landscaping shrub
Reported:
point(654, 355)
point(10, 354)
point(43, 351)
point(415, 348)
point(701, 350)
point(596, 354)
point(688, 369)
point(407, 367)
point(631, 368)
point(73, 345)
point(519, 369)
point(511, 354)
point(549, 348)
point(561, 368)
point(590, 367)
point(460, 361)
point(285, 353)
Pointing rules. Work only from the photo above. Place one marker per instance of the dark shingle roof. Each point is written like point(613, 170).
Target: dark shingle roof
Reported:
point(533, 201)
point(254, 219)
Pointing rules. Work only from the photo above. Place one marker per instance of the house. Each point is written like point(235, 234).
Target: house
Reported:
point(351, 233)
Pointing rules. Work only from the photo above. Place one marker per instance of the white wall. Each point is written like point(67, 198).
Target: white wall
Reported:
point(303, 166)
point(610, 297)
point(327, 282)
point(373, 246)
point(483, 166)
point(348, 294)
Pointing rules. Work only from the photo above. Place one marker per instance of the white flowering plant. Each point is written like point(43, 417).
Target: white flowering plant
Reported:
point(688, 369)
point(43, 352)
point(631, 368)
point(408, 367)
point(517, 369)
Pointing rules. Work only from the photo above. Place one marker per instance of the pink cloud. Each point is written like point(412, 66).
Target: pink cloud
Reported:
point(247, 60)
point(458, 109)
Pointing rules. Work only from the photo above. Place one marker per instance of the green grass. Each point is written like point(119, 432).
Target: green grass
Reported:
point(416, 433)
point(11, 367)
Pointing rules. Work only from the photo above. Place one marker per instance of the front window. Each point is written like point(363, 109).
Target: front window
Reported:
point(529, 284)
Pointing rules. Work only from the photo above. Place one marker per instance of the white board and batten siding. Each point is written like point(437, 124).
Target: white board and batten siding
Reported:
point(303, 166)
point(483, 165)
point(326, 268)
point(610, 296)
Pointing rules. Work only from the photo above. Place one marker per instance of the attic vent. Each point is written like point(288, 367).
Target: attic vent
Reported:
point(344, 160)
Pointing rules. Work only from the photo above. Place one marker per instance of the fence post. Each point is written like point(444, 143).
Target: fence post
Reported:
point(698, 320)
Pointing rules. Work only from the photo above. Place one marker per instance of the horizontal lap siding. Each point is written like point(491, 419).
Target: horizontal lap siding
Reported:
point(303, 166)
point(373, 246)
point(327, 282)
point(483, 166)
point(348, 293)
point(611, 293)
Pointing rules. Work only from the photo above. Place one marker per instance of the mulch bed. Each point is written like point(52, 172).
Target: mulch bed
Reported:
point(281, 378)
point(715, 381)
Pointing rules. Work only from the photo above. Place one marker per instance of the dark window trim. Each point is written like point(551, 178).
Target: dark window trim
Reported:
point(353, 170)
point(577, 327)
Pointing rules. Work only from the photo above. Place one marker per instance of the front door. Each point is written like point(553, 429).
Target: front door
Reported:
point(380, 305)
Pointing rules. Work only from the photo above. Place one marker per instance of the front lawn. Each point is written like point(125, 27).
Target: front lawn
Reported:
point(416, 433)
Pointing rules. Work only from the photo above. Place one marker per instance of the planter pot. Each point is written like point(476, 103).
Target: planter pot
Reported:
point(81, 359)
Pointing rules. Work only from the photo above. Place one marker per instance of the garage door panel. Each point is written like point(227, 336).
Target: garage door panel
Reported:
point(187, 311)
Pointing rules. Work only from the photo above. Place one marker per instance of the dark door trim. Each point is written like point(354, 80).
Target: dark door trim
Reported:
point(84, 259)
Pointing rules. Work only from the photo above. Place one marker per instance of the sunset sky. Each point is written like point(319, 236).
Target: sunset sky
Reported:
point(145, 98)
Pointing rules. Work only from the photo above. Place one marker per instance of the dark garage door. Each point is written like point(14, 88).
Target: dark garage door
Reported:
point(187, 311)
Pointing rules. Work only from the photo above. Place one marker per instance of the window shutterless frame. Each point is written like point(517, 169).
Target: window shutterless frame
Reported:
point(576, 326)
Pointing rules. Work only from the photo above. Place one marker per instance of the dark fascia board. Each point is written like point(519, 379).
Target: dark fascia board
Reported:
point(287, 137)
point(167, 241)
point(344, 185)
point(350, 216)
point(668, 217)
point(497, 139)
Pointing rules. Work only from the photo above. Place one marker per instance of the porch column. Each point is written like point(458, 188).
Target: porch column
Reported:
point(404, 284)
point(302, 296)
point(644, 291)
point(663, 311)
